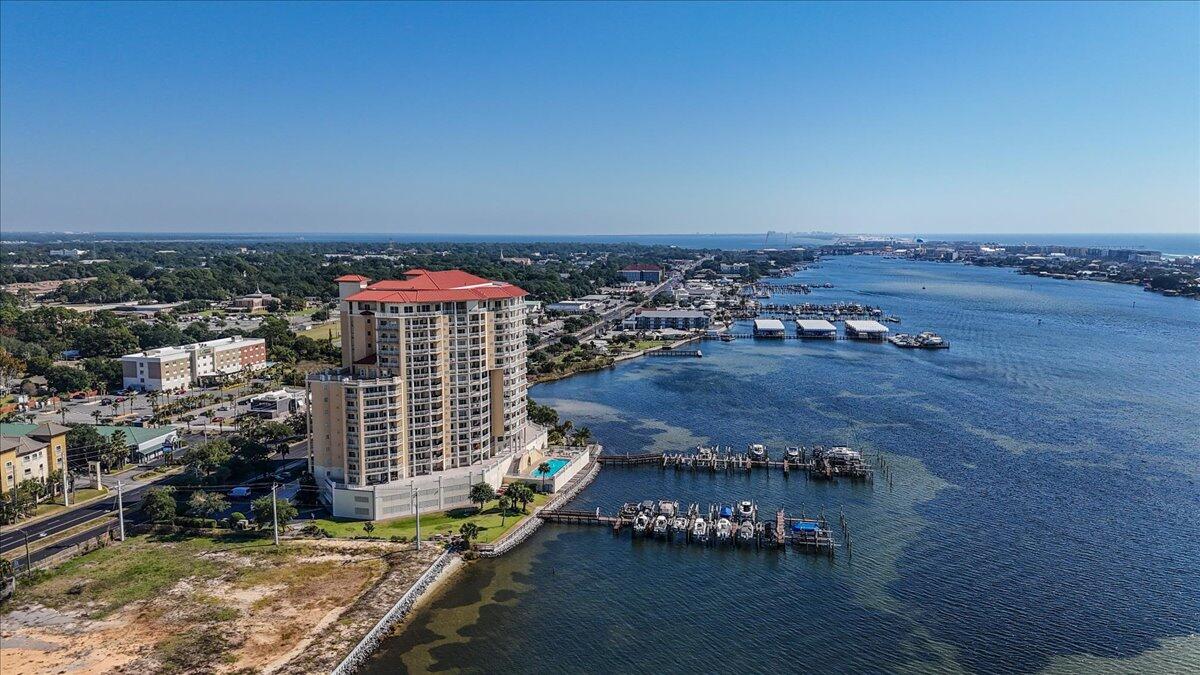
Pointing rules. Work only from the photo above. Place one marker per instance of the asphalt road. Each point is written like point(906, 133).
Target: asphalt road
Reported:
point(15, 539)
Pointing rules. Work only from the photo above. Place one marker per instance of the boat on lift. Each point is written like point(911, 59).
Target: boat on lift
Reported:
point(746, 510)
point(699, 529)
point(660, 526)
point(792, 454)
point(724, 529)
point(758, 452)
point(745, 531)
point(679, 525)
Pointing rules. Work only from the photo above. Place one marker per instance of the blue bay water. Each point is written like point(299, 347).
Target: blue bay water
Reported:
point(1042, 514)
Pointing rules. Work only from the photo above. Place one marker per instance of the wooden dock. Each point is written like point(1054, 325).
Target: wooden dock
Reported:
point(815, 462)
point(693, 353)
point(780, 532)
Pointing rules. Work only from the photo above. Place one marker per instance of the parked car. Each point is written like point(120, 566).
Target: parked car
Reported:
point(240, 492)
point(106, 401)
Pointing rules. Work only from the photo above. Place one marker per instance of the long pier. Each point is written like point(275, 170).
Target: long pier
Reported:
point(816, 462)
point(694, 353)
point(718, 525)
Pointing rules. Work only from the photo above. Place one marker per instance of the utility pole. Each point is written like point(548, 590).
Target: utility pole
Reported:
point(120, 510)
point(274, 514)
point(66, 485)
point(416, 502)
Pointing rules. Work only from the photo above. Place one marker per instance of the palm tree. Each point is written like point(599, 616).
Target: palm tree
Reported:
point(520, 492)
point(469, 531)
point(96, 415)
point(582, 436)
point(544, 470)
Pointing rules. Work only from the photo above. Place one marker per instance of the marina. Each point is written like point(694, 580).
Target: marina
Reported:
point(741, 525)
point(817, 462)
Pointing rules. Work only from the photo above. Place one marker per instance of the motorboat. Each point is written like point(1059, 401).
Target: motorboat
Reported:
point(745, 531)
point(842, 455)
point(724, 529)
point(700, 528)
point(930, 340)
point(792, 454)
point(746, 510)
point(660, 525)
point(679, 525)
point(726, 512)
point(758, 452)
point(641, 522)
point(666, 508)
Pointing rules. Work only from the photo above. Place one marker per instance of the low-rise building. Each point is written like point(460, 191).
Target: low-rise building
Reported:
point(570, 306)
point(651, 274)
point(679, 319)
point(254, 301)
point(865, 330)
point(30, 452)
point(768, 328)
point(815, 328)
point(278, 404)
point(182, 367)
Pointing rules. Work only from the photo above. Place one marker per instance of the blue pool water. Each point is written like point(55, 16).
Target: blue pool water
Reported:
point(1042, 516)
point(555, 465)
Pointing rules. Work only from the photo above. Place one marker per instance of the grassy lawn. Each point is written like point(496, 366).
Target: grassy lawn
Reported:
point(80, 495)
point(446, 522)
point(324, 331)
point(140, 568)
point(649, 344)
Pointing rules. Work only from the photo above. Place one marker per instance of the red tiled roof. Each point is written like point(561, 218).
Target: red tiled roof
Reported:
point(642, 267)
point(425, 286)
point(351, 277)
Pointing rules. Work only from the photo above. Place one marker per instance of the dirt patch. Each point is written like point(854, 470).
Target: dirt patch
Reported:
point(207, 605)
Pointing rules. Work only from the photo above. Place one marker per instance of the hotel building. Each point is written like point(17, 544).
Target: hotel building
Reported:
point(181, 367)
point(432, 391)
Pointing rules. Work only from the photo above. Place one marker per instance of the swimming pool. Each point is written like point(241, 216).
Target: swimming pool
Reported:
point(555, 464)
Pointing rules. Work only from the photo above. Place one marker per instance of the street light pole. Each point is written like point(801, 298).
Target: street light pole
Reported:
point(120, 511)
point(28, 564)
point(274, 514)
point(416, 502)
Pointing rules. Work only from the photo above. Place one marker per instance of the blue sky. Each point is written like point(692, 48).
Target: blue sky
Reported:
point(600, 118)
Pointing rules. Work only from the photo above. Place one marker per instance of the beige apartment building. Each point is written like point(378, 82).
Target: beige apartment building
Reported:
point(183, 366)
point(432, 385)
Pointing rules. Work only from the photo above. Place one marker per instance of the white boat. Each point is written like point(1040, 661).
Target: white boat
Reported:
point(746, 510)
point(793, 454)
point(758, 452)
point(660, 525)
point(699, 528)
point(679, 525)
point(724, 529)
point(746, 531)
point(640, 523)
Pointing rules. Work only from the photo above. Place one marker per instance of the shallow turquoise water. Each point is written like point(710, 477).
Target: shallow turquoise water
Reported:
point(555, 465)
point(1043, 511)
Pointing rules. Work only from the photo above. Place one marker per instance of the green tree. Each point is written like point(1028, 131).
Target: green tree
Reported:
point(543, 471)
point(469, 531)
point(369, 527)
point(66, 379)
point(159, 504)
point(204, 459)
point(261, 507)
point(116, 451)
point(481, 494)
point(522, 493)
point(84, 443)
point(582, 436)
point(207, 504)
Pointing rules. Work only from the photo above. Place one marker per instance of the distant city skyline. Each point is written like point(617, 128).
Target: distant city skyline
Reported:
point(600, 119)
